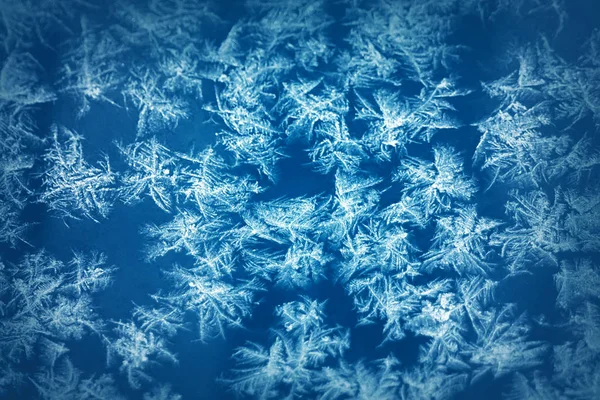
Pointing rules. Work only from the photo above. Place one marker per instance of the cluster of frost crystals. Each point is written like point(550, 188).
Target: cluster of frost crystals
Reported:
point(215, 303)
point(162, 392)
point(59, 379)
point(362, 381)
point(287, 149)
point(537, 144)
point(302, 344)
point(403, 306)
point(395, 121)
point(569, 86)
point(50, 299)
point(281, 243)
point(21, 90)
point(502, 345)
point(141, 342)
point(16, 133)
point(45, 303)
point(138, 348)
point(149, 26)
point(384, 41)
point(212, 188)
point(511, 144)
point(13, 230)
point(30, 23)
point(576, 282)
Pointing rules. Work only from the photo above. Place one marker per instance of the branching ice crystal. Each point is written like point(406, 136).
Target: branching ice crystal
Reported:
point(91, 72)
point(154, 169)
point(45, 298)
point(395, 120)
point(157, 109)
point(138, 348)
point(576, 281)
point(73, 187)
point(513, 148)
point(436, 185)
point(461, 243)
point(393, 300)
point(302, 345)
point(166, 320)
point(181, 69)
point(61, 380)
point(216, 303)
point(538, 231)
point(502, 345)
point(378, 247)
point(380, 379)
point(21, 81)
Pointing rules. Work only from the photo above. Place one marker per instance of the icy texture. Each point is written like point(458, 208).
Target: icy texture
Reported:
point(390, 199)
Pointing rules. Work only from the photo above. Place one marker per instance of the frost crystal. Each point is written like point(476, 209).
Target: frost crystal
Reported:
point(73, 187)
point(90, 72)
point(45, 298)
point(138, 348)
point(157, 109)
point(302, 345)
point(216, 303)
point(436, 185)
point(153, 170)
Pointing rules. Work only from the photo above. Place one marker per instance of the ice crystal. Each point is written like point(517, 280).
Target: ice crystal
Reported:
point(301, 346)
point(73, 187)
